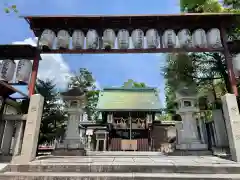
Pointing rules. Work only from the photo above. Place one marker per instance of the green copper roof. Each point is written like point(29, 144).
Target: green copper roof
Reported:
point(129, 99)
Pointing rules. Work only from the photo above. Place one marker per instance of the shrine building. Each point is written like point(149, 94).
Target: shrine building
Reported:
point(125, 121)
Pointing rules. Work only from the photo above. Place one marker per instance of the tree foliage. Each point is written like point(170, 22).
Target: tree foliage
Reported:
point(10, 8)
point(207, 70)
point(84, 80)
point(200, 6)
point(53, 117)
point(133, 84)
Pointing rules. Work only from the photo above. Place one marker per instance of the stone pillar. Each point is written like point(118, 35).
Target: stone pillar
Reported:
point(18, 137)
point(232, 120)
point(203, 131)
point(72, 139)
point(179, 127)
point(32, 128)
point(105, 145)
point(97, 145)
point(89, 141)
point(2, 127)
point(220, 127)
point(7, 137)
point(189, 127)
point(189, 135)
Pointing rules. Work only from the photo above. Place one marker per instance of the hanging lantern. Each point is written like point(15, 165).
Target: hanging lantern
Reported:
point(236, 65)
point(236, 62)
point(138, 38)
point(63, 39)
point(123, 39)
point(78, 39)
point(149, 120)
point(152, 38)
point(1, 64)
point(184, 38)
point(110, 118)
point(24, 69)
point(109, 37)
point(199, 38)
point(214, 38)
point(7, 71)
point(169, 38)
point(47, 39)
point(92, 39)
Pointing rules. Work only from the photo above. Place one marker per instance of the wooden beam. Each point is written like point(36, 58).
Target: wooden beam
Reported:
point(17, 117)
point(12, 88)
point(122, 51)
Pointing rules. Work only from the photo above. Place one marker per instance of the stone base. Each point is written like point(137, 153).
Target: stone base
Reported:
point(73, 144)
point(190, 153)
point(192, 146)
point(69, 152)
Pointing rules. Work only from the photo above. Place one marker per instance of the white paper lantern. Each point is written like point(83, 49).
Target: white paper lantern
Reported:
point(1, 64)
point(109, 37)
point(7, 71)
point(169, 38)
point(214, 38)
point(123, 39)
point(199, 38)
point(47, 38)
point(236, 62)
point(63, 39)
point(152, 38)
point(138, 38)
point(24, 69)
point(184, 38)
point(92, 39)
point(78, 38)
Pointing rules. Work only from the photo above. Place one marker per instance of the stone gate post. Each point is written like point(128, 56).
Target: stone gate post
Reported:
point(232, 119)
point(32, 128)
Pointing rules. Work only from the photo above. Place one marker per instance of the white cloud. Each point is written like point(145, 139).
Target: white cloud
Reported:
point(52, 66)
point(97, 85)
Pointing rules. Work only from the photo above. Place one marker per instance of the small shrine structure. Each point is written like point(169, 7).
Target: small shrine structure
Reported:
point(126, 116)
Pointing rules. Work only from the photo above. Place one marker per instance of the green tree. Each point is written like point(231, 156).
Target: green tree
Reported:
point(84, 80)
point(53, 117)
point(207, 70)
point(10, 8)
point(200, 6)
point(133, 84)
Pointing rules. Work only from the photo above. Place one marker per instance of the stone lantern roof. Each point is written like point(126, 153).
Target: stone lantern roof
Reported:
point(73, 93)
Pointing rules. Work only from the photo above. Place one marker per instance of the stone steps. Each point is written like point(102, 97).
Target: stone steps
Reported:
point(114, 176)
point(127, 168)
point(123, 168)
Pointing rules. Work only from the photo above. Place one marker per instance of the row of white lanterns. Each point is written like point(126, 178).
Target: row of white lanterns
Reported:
point(199, 39)
point(23, 70)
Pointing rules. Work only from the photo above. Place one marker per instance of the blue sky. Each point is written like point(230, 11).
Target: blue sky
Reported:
point(109, 70)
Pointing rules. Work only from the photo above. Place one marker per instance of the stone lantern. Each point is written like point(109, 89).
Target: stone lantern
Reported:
point(76, 101)
point(187, 132)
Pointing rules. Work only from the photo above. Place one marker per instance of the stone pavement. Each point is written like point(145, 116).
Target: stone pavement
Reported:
point(137, 160)
point(142, 167)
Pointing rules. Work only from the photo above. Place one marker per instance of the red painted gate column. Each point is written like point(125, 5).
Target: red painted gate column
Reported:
point(228, 59)
point(31, 85)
